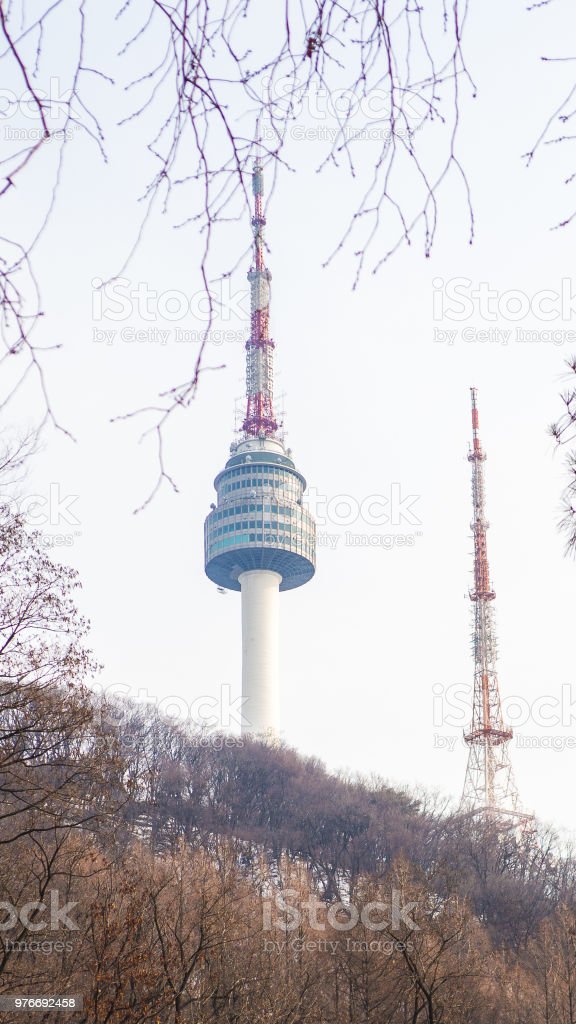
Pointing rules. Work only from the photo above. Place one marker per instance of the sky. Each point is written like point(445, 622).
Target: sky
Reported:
point(375, 651)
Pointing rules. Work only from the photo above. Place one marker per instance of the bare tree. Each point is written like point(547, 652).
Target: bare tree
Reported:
point(558, 127)
point(564, 433)
point(207, 72)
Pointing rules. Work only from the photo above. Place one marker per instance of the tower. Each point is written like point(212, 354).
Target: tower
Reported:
point(489, 787)
point(259, 539)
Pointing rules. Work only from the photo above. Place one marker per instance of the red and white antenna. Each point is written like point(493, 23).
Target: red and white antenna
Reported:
point(489, 787)
point(260, 420)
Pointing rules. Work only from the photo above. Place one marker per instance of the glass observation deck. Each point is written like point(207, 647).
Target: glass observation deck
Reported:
point(259, 521)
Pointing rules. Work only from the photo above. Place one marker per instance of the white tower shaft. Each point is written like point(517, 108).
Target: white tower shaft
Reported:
point(260, 662)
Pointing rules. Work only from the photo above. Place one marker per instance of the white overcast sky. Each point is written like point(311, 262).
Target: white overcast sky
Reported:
point(374, 406)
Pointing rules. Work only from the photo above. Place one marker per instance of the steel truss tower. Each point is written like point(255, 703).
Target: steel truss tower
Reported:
point(260, 539)
point(489, 787)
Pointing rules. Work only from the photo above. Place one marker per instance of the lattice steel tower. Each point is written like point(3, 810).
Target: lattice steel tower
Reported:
point(489, 787)
point(259, 539)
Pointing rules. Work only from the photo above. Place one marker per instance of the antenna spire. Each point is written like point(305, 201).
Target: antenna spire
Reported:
point(259, 420)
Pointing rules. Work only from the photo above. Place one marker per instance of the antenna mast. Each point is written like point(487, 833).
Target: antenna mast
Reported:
point(489, 787)
point(260, 420)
